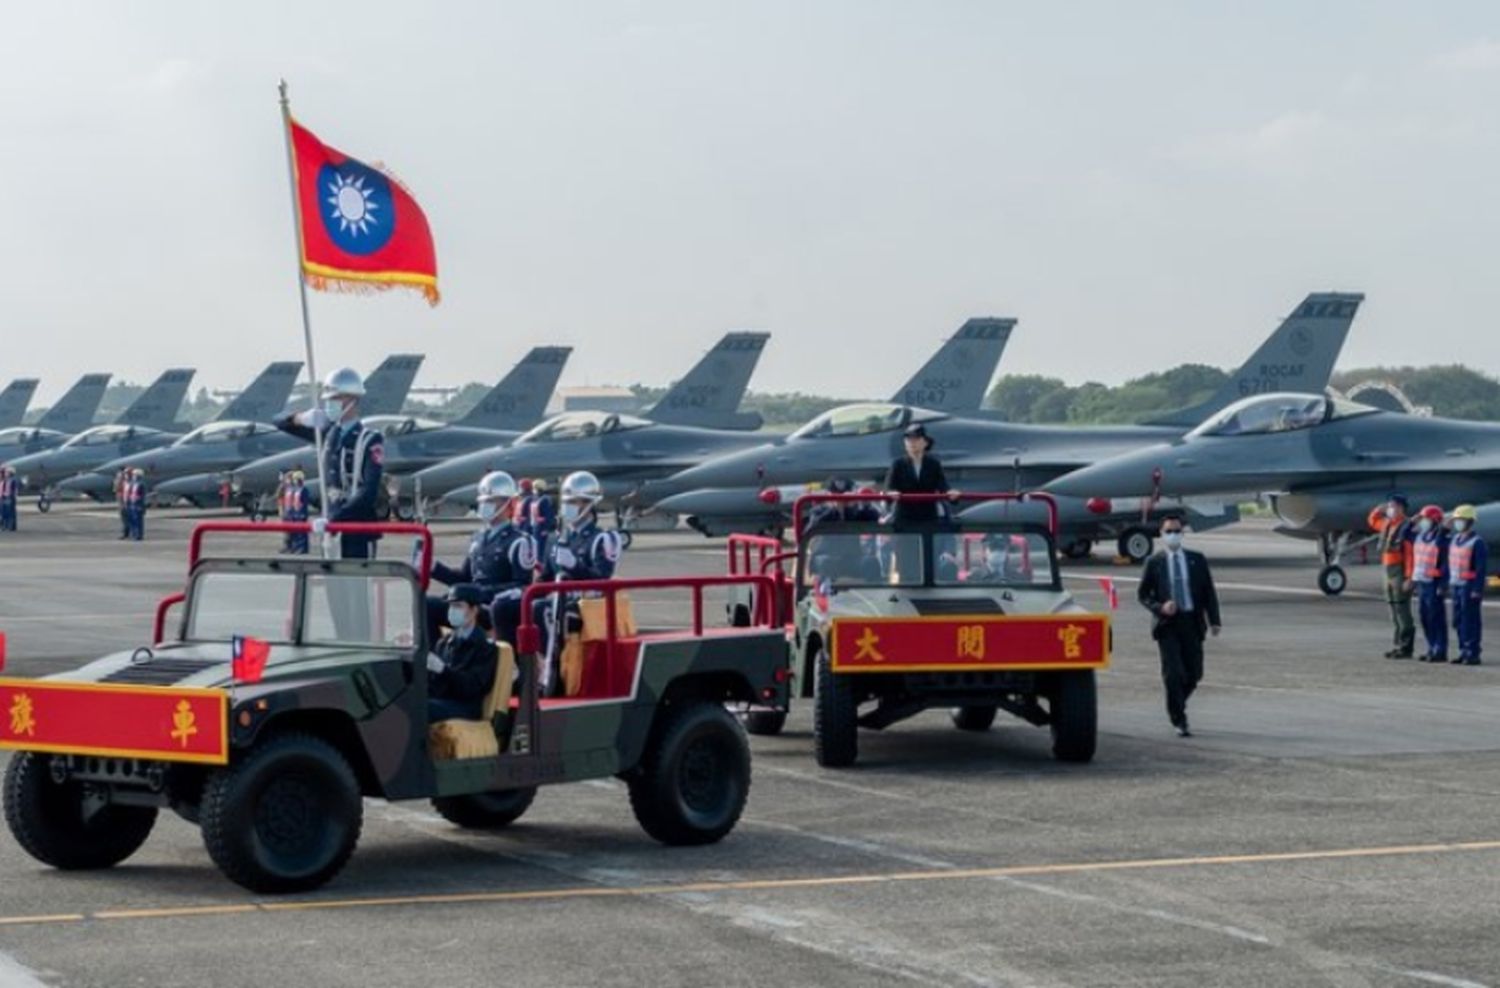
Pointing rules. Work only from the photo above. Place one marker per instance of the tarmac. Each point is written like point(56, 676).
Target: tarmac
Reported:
point(1335, 820)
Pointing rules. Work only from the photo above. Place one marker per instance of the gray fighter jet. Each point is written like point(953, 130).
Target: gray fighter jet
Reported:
point(739, 491)
point(14, 399)
point(1324, 462)
point(697, 417)
point(236, 430)
point(149, 423)
point(70, 415)
point(515, 404)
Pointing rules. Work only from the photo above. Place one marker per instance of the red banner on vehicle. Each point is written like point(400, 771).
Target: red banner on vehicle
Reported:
point(173, 724)
point(967, 644)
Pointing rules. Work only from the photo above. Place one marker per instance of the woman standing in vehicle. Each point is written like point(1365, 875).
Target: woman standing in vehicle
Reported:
point(917, 472)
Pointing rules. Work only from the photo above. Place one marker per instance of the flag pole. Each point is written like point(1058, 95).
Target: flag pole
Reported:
point(312, 367)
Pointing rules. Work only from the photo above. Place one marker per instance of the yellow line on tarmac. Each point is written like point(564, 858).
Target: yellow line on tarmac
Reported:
point(752, 885)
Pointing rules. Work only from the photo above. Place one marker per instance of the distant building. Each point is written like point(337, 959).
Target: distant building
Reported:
point(588, 399)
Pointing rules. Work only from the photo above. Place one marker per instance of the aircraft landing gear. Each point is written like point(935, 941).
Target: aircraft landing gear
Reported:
point(44, 502)
point(1135, 544)
point(1079, 549)
point(1332, 580)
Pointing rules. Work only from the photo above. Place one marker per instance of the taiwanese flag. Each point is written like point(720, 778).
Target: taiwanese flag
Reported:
point(360, 229)
point(247, 658)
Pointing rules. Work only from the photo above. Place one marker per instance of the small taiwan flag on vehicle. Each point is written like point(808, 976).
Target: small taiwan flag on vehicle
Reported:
point(247, 658)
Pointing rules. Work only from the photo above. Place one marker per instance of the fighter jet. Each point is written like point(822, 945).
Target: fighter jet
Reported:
point(696, 418)
point(1324, 462)
point(14, 399)
point(149, 423)
point(386, 390)
point(235, 432)
point(70, 415)
point(516, 403)
point(860, 441)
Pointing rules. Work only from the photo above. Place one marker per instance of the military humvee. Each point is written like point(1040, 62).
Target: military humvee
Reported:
point(896, 619)
point(273, 770)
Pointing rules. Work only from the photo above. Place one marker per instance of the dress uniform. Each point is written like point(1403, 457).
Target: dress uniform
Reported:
point(583, 551)
point(295, 506)
point(1429, 573)
point(541, 517)
point(1468, 566)
point(500, 563)
point(353, 457)
point(1396, 532)
point(461, 667)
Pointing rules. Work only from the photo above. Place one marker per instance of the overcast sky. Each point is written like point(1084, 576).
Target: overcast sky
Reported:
point(1140, 184)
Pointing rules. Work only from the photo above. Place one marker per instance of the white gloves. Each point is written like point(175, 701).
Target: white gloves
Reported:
point(320, 526)
point(313, 418)
point(564, 558)
point(434, 664)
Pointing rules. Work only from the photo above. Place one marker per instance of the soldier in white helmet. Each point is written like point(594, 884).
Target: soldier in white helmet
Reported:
point(501, 561)
point(582, 551)
point(353, 457)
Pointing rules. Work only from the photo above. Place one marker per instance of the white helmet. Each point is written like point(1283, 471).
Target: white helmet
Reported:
point(581, 486)
point(497, 485)
point(344, 383)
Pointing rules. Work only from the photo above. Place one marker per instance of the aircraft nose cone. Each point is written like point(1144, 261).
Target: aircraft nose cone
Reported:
point(87, 483)
point(1140, 474)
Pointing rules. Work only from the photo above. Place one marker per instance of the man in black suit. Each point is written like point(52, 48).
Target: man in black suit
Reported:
point(1178, 589)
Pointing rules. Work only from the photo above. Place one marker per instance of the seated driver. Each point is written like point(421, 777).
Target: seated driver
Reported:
point(461, 668)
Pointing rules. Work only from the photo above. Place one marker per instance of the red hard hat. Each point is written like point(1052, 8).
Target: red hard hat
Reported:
point(526, 484)
point(1431, 511)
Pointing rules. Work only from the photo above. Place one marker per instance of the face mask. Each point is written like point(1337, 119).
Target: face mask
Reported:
point(457, 618)
point(571, 513)
point(1425, 525)
point(1172, 539)
point(1460, 524)
point(1391, 511)
point(995, 560)
point(488, 510)
point(334, 409)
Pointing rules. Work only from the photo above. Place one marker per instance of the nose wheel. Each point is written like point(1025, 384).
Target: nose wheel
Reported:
point(1135, 544)
point(1332, 580)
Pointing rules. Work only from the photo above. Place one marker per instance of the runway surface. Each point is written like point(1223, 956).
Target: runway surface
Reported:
point(1335, 821)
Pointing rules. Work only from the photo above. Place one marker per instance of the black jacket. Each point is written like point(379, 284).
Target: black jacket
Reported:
point(470, 673)
point(1156, 589)
point(902, 478)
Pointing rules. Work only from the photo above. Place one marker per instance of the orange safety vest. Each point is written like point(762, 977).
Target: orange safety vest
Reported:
point(1461, 559)
point(1394, 548)
point(1425, 558)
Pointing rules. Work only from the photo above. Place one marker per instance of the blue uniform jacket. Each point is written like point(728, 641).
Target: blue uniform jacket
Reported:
point(352, 488)
point(595, 554)
point(501, 557)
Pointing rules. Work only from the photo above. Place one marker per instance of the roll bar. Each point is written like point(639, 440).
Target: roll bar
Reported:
point(424, 570)
point(528, 634)
point(807, 501)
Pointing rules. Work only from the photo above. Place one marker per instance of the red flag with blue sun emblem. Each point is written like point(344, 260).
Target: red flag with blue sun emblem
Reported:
point(360, 228)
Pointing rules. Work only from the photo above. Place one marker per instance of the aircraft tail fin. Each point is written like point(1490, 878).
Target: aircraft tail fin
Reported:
point(265, 396)
point(709, 395)
point(388, 385)
point(156, 407)
point(74, 411)
point(520, 400)
point(958, 376)
point(14, 399)
point(1299, 356)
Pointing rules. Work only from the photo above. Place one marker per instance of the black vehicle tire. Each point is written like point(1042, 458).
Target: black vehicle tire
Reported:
point(1135, 544)
point(1332, 580)
point(406, 512)
point(765, 723)
point(286, 817)
point(1078, 549)
point(1073, 704)
point(835, 716)
point(485, 810)
point(44, 503)
point(694, 777)
point(977, 718)
point(47, 819)
point(627, 538)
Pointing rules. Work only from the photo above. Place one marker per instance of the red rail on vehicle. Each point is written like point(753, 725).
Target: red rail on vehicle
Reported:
point(424, 571)
point(747, 552)
point(166, 604)
point(808, 500)
point(528, 635)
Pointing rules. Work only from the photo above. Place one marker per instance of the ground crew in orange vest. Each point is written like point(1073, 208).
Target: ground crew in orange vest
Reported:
point(1395, 532)
point(1468, 563)
point(1429, 574)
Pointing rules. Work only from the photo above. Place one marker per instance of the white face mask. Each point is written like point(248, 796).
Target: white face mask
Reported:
point(458, 617)
point(488, 510)
point(1391, 511)
point(571, 512)
point(333, 408)
point(1460, 524)
point(1425, 525)
point(1172, 539)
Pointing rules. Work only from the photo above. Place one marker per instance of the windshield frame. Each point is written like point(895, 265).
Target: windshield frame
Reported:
point(1213, 427)
point(929, 532)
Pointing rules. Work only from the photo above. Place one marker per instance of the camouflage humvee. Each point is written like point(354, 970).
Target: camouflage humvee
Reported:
point(951, 613)
point(274, 770)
